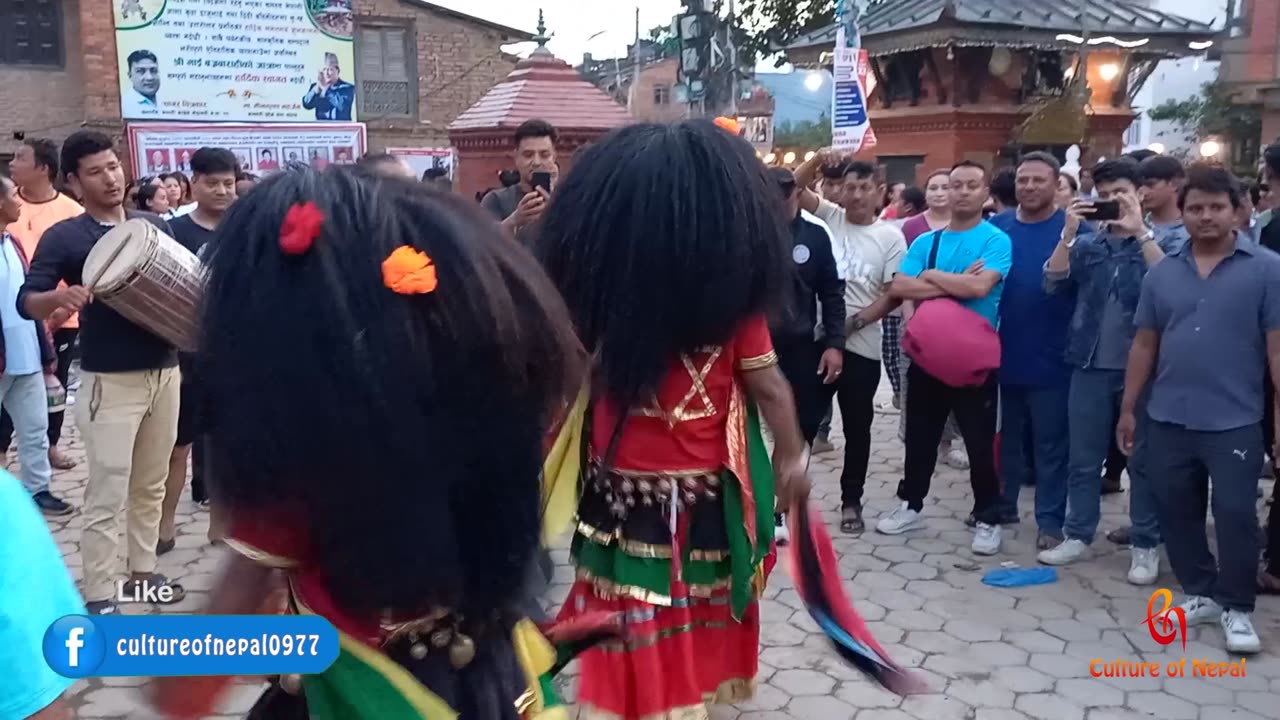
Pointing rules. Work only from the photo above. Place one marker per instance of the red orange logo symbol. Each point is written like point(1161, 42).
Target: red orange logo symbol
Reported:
point(1161, 623)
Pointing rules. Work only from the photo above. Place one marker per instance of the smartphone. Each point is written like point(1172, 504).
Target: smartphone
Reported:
point(1104, 210)
point(542, 179)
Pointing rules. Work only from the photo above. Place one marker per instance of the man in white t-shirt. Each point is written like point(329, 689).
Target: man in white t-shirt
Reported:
point(868, 251)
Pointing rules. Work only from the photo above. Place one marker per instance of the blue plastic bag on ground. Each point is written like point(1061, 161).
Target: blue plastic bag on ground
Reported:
point(1020, 577)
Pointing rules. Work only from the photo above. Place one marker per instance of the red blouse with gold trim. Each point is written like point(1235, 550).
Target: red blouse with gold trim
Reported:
point(682, 426)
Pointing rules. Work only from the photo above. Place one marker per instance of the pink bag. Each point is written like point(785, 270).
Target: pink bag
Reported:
point(949, 341)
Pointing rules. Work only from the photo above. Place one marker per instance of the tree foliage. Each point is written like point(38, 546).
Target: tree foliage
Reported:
point(772, 24)
point(806, 134)
point(1210, 113)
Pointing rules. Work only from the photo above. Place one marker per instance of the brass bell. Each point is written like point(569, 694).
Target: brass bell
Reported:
point(440, 638)
point(462, 651)
point(418, 651)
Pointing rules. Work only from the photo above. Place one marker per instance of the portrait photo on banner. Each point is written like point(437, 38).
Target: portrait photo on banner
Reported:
point(261, 61)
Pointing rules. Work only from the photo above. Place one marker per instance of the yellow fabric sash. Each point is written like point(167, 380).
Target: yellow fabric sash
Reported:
point(561, 470)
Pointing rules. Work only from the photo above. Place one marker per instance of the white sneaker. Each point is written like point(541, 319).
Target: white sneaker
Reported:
point(1144, 568)
point(900, 520)
point(1241, 637)
point(957, 458)
point(781, 532)
point(1066, 552)
point(1201, 610)
point(986, 539)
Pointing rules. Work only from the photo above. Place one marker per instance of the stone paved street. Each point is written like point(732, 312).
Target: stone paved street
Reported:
point(986, 653)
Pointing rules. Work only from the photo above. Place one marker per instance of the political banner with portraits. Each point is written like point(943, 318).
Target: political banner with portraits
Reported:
point(156, 148)
point(236, 60)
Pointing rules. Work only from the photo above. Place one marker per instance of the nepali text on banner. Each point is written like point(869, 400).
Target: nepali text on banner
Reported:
point(850, 125)
point(236, 60)
point(77, 646)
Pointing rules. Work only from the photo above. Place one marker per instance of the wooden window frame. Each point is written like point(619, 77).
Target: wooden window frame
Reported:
point(58, 63)
point(411, 57)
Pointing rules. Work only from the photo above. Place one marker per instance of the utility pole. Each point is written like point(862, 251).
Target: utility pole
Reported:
point(635, 65)
point(730, 27)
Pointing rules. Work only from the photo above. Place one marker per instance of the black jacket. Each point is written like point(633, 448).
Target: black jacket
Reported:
point(816, 280)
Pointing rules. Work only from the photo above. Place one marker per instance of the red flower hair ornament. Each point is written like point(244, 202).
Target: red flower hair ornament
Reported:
point(300, 228)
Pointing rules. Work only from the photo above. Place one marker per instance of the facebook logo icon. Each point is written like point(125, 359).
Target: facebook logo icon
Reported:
point(74, 647)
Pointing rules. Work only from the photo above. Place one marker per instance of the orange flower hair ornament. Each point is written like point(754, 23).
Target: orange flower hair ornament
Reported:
point(729, 125)
point(300, 228)
point(409, 272)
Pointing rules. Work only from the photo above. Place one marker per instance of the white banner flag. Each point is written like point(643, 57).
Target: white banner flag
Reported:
point(850, 125)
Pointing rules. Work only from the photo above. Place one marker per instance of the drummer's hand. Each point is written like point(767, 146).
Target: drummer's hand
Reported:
point(73, 298)
point(58, 318)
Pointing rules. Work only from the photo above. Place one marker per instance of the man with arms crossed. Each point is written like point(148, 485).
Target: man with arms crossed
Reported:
point(127, 409)
point(972, 260)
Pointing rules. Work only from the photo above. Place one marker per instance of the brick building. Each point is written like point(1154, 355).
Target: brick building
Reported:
point(1251, 61)
point(418, 66)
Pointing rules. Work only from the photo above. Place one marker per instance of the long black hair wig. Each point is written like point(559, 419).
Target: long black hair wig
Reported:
point(405, 431)
point(663, 239)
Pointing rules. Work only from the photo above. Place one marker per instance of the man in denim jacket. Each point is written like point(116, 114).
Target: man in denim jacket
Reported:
point(1106, 269)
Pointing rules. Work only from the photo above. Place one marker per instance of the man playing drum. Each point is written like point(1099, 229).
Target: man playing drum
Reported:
point(128, 402)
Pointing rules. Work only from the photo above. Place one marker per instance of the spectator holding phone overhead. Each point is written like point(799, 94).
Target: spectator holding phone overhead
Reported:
point(1105, 268)
point(520, 206)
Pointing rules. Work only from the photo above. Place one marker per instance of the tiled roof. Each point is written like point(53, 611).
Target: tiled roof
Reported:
point(1113, 17)
point(544, 87)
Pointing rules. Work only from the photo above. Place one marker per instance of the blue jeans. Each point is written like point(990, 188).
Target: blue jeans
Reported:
point(1092, 409)
point(27, 401)
point(1033, 443)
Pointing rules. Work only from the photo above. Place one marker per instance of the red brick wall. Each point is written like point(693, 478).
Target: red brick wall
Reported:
point(46, 102)
point(458, 62)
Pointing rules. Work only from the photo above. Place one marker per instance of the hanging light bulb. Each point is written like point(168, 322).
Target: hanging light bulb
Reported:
point(768, 159)
point(809, 155)
point(789, 158)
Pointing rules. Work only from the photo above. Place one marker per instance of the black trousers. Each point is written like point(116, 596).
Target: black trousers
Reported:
point(798, 361)
point(856, 392)
point(929, 401)
point(64, 343)
point(1185, 460)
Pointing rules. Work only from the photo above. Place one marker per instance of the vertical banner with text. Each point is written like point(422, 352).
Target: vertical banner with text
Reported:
point(850, 125)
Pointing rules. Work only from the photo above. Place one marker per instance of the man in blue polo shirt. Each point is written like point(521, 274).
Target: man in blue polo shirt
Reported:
point(35, 590)
point(973, 258)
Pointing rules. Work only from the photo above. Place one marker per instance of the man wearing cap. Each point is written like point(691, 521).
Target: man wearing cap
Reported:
point(811, 361)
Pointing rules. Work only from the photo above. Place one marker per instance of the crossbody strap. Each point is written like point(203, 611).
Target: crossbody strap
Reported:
point(933, 252)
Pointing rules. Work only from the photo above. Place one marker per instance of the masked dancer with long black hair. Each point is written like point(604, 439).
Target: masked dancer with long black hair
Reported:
point(669, 244)
point(382, 366)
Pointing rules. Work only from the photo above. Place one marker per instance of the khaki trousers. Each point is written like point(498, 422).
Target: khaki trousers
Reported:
point(129, 423)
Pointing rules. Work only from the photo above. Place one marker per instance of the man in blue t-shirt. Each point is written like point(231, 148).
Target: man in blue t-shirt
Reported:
point(1034, 375)
point(972, 260)
point(35, 590)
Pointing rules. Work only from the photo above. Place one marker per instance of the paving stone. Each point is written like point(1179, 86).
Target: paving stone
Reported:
point(998, 654)
point(767, 697)
point(1088, 692)
point(1227, 712)
point(1048, 706)
point(1022, 679)
point(936, 707)
point(982, 693)
point(1071, 630)
point(1163, 706)
point(1199, 690)
point(1264, 704)
point(864, 694)
point(985, 713)
point(934, 642)
point(971, 631)
point(1035, 641)
point(803, 682)
point(824, 706)
point(914, 620)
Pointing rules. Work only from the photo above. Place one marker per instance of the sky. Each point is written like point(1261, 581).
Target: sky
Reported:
point(573, 22)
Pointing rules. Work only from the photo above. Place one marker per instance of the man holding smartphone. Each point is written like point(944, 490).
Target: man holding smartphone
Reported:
point(520, 206)
point(1105, 269)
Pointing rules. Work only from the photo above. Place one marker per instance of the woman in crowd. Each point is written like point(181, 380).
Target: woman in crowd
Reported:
point(1068, 190)
point(153, 198)
point(668, 243)
point(359, 381)
point(179, 188)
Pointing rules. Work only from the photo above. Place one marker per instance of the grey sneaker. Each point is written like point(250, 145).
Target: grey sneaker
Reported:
point(900, 520)
point(1065, 553)
point(1201, 610)
point(986, 539)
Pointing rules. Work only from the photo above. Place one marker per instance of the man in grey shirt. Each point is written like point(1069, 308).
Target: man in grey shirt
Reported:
point(520, 206)
point(1209, 327)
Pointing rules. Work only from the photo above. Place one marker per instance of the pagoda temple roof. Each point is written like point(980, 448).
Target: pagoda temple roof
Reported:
point(901, 25)
point(544, 87)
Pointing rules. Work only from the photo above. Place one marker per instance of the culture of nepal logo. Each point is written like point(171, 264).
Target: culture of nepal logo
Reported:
point(1166, 626)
